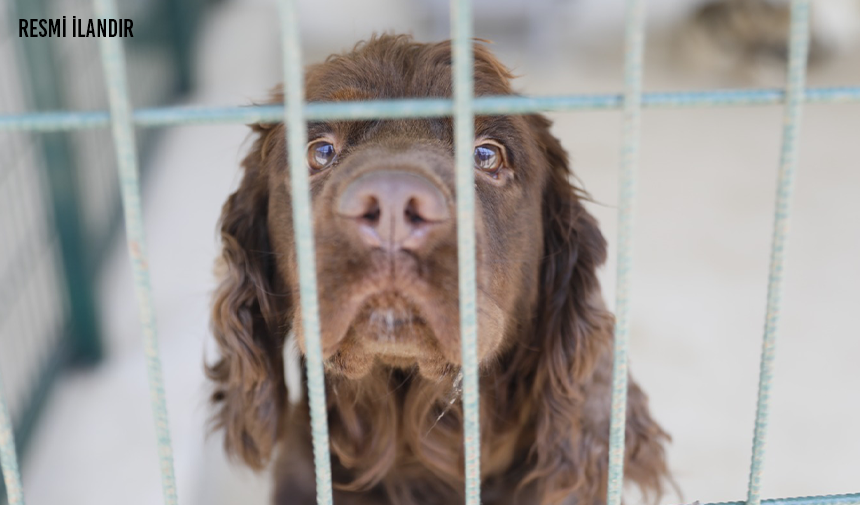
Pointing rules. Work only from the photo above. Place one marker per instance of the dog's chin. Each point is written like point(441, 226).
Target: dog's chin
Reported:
point(389, 331)
point(356, 364)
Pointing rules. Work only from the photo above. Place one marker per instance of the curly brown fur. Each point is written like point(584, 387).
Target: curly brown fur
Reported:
point(390, 320)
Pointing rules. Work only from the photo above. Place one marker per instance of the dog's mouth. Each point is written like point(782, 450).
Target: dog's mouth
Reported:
point(389, 324)
point(391, 330)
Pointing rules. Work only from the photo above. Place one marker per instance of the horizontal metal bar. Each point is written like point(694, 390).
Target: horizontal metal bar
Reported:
point(835, 499)
point(423, 107)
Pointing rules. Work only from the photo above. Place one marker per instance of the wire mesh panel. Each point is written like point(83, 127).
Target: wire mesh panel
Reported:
point(33, 308)
point(153, 76)
point(295, 114)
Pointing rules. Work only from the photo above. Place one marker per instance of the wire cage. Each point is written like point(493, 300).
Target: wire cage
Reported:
point(122, 119)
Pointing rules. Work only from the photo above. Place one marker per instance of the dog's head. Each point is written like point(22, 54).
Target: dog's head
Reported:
point(384, 211)
point(384, 215)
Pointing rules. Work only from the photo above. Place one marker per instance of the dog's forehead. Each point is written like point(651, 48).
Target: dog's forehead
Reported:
point(387, 68)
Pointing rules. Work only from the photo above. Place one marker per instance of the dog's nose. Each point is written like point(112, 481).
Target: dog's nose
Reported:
point(394, 210)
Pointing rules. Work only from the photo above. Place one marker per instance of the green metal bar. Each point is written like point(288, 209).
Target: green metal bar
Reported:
point(634, 44)
point(464, 145)
point(182, 25)
point(798, 48)
point(418, 107)
point(8, 455)
point(297, 138)
point(113, 62)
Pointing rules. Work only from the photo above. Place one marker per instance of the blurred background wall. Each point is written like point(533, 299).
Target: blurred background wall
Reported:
point(70, 350)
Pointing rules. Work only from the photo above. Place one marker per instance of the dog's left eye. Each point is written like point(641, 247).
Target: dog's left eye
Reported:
point(321, 154)
point(488, 157)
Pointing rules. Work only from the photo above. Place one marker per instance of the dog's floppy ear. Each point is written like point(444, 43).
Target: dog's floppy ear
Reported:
point(249, 392)
point(573, 338)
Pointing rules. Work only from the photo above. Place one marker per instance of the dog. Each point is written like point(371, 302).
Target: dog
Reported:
point(747, 41)
point(383, 206)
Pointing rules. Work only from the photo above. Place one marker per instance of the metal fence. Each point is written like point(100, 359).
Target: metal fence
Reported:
point(295, 113)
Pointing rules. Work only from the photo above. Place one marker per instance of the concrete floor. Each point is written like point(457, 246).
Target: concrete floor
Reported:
point(705, 204)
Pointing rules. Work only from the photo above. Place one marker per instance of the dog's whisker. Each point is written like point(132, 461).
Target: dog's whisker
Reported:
point(456, 392)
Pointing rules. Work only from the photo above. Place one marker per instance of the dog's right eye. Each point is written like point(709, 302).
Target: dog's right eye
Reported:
point(321, 155)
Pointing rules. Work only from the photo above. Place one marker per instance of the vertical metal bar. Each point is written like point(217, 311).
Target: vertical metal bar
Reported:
point(464, 144)
point(113, 62)
point(634, 44)
point(798, 48)
point(296, 127)
point(8, 456)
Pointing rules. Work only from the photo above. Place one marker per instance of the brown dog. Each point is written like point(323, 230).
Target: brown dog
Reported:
point(384, 205)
